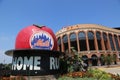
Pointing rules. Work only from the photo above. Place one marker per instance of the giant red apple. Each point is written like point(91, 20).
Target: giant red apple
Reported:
point(36, 37)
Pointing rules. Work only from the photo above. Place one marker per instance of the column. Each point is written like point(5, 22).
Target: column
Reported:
point(102, 41)
point(69, 45)
point(95, 41)
point(62, 44)
point(77, 42)
point(87, 42)
point(108, 42)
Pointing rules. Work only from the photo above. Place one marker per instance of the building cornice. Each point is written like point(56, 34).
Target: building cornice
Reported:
point(87, 27)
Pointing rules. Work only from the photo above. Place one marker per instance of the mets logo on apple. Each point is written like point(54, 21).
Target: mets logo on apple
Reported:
point(41, 40)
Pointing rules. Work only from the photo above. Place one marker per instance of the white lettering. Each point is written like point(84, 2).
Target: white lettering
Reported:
point(57, 63)
point(54, 63)
point(37, 63)
point(19, 63)
point(28, 63)
point(14, 63)
point(33, 63)
point(25, 62)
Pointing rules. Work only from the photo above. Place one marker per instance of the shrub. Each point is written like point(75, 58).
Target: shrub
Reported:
point(78, 78)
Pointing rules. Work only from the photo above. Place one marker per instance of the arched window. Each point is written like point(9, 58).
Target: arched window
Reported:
point(91, 40)
point(59, 43)
point(73, 40)
point(116, 41)
point(119, 38)
point(94, 60)
point(82, 41)
point(111, 42)
point(119, 41)
point(65, 42)
point(105, 41)
point(98, 35)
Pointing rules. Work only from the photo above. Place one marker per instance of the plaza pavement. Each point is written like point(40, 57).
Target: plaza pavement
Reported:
point(114, 69)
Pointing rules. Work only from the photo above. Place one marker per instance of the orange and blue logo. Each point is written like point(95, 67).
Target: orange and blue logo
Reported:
point(41, 40)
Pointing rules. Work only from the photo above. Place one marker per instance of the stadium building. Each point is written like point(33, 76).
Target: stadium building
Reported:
point(92, 42)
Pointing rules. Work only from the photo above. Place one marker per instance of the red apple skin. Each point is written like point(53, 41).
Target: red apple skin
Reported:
point(23, 37)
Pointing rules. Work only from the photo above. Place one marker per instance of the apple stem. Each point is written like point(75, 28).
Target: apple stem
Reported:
point(38, 26)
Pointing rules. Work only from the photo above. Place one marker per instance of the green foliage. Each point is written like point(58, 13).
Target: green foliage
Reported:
point(65, 78)
point(91, 74)
point(73, 66)
point(70, 78)
point(71, 62)
point(70, 68)
point(99, 75)
point(118, 75)
point(108, 59)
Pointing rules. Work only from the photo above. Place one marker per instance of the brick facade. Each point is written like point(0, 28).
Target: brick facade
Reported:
point(89, 40)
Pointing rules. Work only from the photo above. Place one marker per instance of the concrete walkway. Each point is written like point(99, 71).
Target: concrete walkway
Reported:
point(114, 69)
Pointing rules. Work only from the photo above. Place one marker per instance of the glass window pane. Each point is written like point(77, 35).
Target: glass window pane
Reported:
point(91, 40)
point(90, 35)
point(59, 41)
point(111, 42)
point(82, 41)
point(116, 41)
point(81, 36)
point(65, 39)
point(73, 37)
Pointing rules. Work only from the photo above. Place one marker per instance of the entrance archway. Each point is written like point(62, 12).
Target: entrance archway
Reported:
point(102, 59)
point(94, 60)
point(85, 59)
point(114, 59)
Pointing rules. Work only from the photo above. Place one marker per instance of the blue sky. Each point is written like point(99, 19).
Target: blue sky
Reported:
point(55, 14)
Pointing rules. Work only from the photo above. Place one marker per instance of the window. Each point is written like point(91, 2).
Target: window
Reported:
point(91, 40)
point(111, 42)
point(65, 42)
point(116, 41)
point(105, 41)
point(82, 41)
point(73, 40)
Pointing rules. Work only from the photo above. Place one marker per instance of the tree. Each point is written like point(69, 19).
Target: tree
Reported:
point(72, 62)
point(114, 57)
point(108, 60)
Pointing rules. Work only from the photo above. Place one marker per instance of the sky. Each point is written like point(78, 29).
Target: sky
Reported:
point(55, 14)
